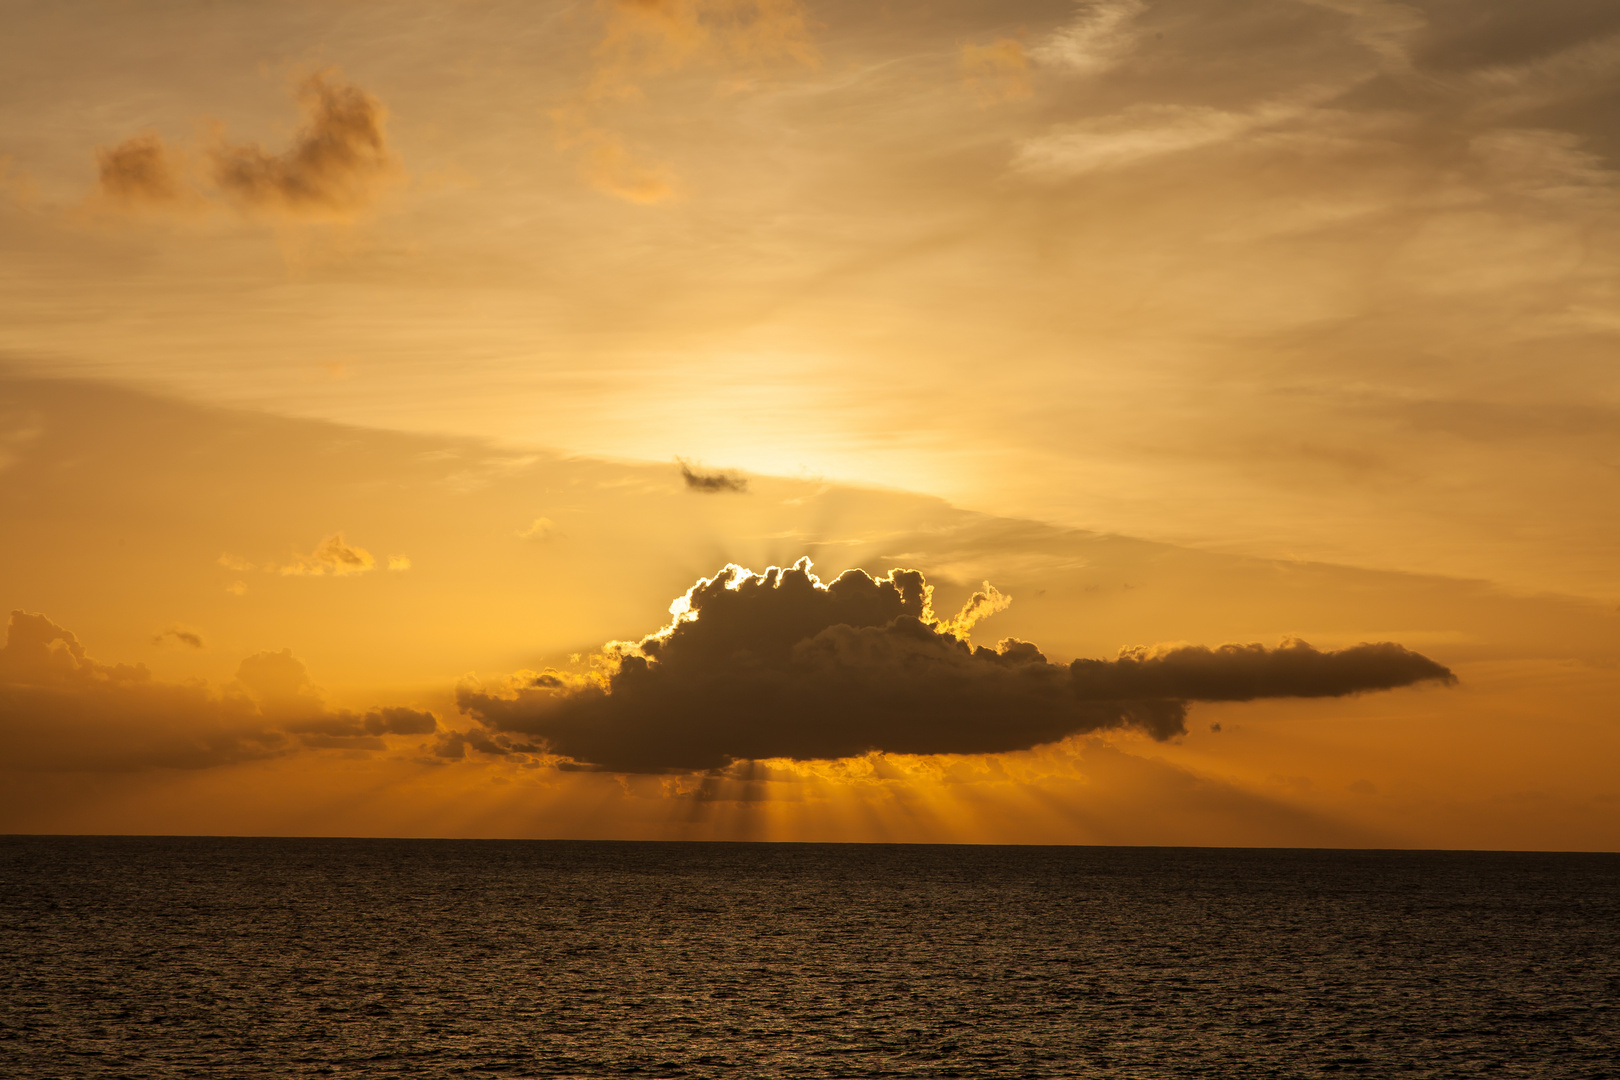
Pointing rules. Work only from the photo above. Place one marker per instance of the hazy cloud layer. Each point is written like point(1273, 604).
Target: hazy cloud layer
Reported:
point(780, 665)
point(60, 710)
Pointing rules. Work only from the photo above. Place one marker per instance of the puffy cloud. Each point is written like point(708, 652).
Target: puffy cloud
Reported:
point(60, 710)
point(781, 665)
point(711, 483)
point(142, 172)
point(337, 166)
point(336, 557)
point(985, 602)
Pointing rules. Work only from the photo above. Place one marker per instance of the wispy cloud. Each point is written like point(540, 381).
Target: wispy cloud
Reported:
point(1098, 38)
point(645, 39)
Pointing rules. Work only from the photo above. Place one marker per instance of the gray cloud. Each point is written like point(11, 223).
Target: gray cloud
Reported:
point(711, 483)
point(782, 665)
point(180, 636)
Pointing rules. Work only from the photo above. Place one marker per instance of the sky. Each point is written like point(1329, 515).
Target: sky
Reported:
point(413, 417)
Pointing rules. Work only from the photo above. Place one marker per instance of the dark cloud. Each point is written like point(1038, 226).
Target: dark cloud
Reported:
point(60, 710)
point(711, 483)
point(781, 665)
point(141, 172)
point(180, 636)
point(338, 164)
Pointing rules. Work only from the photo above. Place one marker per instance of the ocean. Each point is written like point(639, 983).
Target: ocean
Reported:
point(202, 957)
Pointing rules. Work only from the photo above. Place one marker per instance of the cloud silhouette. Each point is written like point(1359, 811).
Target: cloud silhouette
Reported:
point(180, 636)
point(711, 483)
point(781, 665)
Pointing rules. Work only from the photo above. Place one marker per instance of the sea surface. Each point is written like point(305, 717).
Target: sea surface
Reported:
point(170, 957)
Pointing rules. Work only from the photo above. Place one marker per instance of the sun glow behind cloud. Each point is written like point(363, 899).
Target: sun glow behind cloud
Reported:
point(606, 296)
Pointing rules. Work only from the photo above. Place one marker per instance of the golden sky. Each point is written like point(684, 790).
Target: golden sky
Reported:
point(374, 377)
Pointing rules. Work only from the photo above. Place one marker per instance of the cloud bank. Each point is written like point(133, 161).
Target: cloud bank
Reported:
point(782, 665)
point(61, 710)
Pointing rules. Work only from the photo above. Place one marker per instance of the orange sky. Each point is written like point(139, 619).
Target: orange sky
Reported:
point(366, 338)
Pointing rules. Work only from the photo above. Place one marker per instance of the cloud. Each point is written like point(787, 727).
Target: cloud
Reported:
point(644, 39)
point(180, 636)
point(399, 562)
point(608, 165)
point(337, 166)
point(540, 530)
point(985, 602)
point(143, 172)
point(711, 483)
point(1094, 42)
point(996, 72)
point(333, 556)
point(781, 665)
point(60, 710)
point(1143, 132)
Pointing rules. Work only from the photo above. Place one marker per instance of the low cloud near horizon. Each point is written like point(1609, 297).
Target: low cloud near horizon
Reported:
point(62, 711)
point(781, 665)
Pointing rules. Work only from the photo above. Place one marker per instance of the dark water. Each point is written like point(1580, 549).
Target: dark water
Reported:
point(377, 958)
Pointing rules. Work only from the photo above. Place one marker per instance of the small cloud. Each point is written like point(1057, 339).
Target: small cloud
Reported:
point(540, 531)
point(399, 562)
point(1215, 728)
point(142, 172)
point(711, 483)
point(235, 562)
point(984, 602)
point(332, 556)
point(237, 588)
point(996, 72)
point(180, 636)
point(337, 166)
